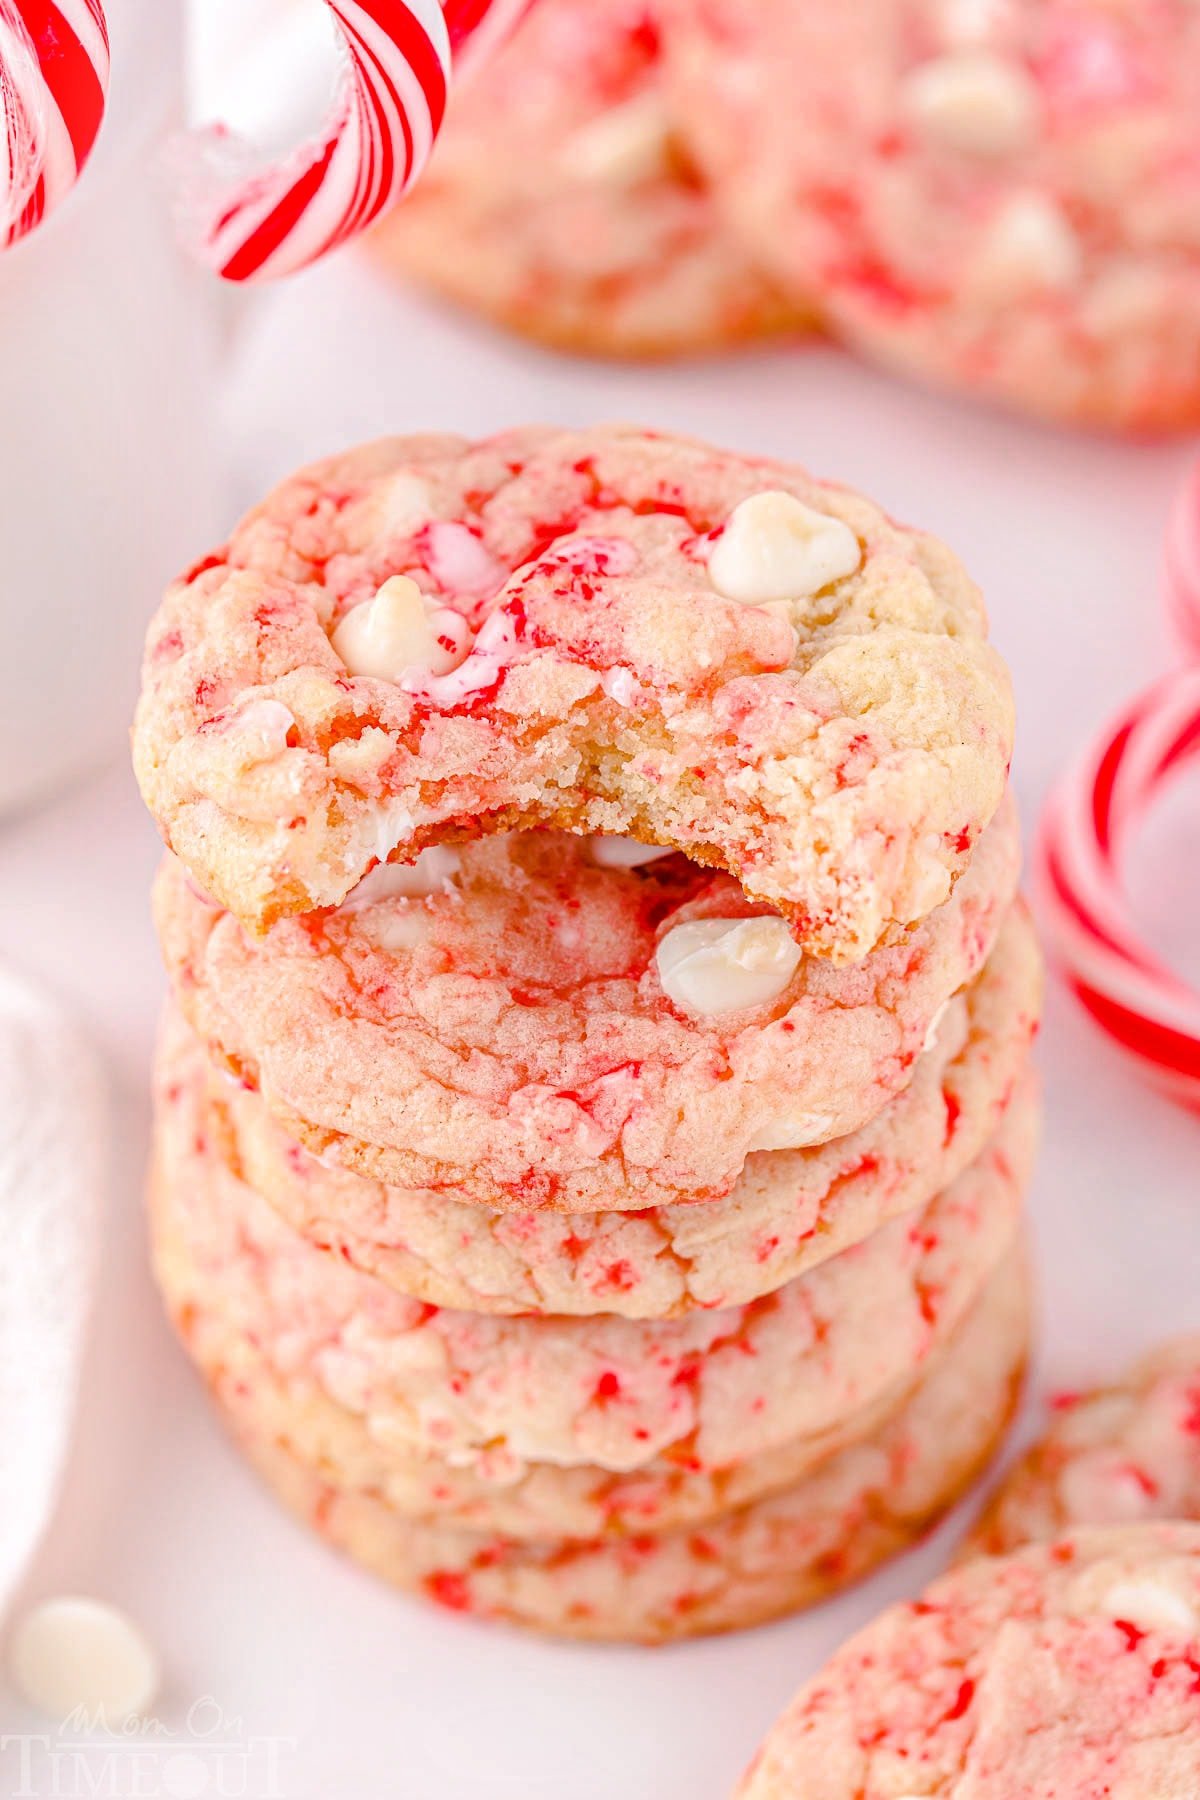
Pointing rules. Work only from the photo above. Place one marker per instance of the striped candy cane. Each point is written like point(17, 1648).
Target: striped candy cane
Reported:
point(53, 86)
point(386, 114)
point(1181, 564)
point(1152, 1014)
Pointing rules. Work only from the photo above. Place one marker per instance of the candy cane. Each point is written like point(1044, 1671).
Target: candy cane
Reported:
point(1181, 564)
point(1150, 1012)
point(53, 87)
point(386, 114)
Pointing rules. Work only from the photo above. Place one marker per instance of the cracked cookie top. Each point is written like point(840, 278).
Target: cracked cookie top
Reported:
point(607, 631)
point(1062, 1672)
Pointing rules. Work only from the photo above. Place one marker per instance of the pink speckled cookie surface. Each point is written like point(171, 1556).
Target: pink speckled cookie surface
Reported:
point(788, 1211)
point(507, 1036)
point(1067, 1671)
point(1122, 1454)
point(561, 200)
point(863, 1503)
point(610, 631)
point(501, 1397)
point(999, 194)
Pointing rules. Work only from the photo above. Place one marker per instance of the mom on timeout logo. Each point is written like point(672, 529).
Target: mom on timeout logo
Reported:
point(210, 1756)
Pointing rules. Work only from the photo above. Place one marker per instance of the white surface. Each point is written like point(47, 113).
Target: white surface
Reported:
point(53, 1154)
point(102, 491)
point(384, 1698)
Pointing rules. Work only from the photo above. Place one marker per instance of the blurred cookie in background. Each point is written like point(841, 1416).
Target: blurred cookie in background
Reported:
point(561, 200)
point(1117, 1455)
point(1001, 196)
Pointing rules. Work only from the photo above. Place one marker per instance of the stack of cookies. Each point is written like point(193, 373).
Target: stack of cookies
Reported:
point(593, 1120)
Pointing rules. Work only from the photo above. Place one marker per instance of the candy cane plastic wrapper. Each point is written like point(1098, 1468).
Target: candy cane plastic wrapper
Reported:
point(397, 58)
point(1151, 1013)
point(1181, 564)
point(53, 86)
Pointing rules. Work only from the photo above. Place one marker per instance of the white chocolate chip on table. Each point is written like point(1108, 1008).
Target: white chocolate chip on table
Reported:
point(75, 1654)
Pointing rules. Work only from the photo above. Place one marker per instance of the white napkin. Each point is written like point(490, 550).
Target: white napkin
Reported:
point(53, 1148)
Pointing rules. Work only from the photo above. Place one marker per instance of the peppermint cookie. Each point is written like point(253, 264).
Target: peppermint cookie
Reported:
point(548, 1502)
point(502, 1398)
point(561, 201)
point(523, 1025)
point(1065, 1671)
point(609, 631)
point(1125, 1453)
point(1001, 195)
point(788, 1211)
point(854, 1509)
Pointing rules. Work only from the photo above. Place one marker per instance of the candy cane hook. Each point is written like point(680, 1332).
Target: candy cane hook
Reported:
point(54, 66)
point(388, 109)
point(1149, 1011)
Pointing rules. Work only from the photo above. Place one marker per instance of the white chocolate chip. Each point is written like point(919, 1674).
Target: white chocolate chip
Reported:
point(432, 873)
point(1151, 1606)
point(931, 1034)
point(970, 21)
point(774, 547)
point(403, 502)
point(794, 1133)
point(1029, 244)
point(625, 145)
point(406, 928)
point(626, 853)
point(75, 1654)
point(382, 830)
point(928, 884)
point(973, 101)
point(715, 966)
point(262, 727)
point(400, 629)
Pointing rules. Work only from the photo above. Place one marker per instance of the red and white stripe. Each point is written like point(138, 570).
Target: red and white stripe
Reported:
point(54, 67)
point(1151, 1013)
point(1181, 564)
point(386, 115)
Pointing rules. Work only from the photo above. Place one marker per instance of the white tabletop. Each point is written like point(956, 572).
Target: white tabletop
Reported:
point(368, 1696)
